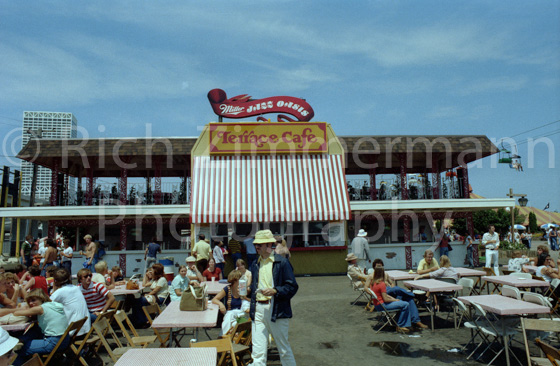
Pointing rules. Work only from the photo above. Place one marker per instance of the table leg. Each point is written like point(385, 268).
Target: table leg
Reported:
point(171, 338)
point(505, 337)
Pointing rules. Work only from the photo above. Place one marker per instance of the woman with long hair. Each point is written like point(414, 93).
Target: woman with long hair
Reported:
point(212, 271)
point(246, 275)
point(230, 301)
point(408, 312)
point(158, 293)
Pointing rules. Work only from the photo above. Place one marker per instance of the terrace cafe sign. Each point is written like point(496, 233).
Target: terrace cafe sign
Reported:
point(242, 106)
point(268, 138)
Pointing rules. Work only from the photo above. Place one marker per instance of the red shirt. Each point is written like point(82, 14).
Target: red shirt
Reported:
point(378, 289)
point(41, 282)
point(208, 275)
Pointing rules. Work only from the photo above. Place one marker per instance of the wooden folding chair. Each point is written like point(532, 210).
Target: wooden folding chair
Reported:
point(545, 325)
point(240, 334)
point(33, 361)
point(72, 332)
point(551, 353)
point(489, 272)
point(134, 340)
point(152, 312)
point(89, 340)
point(225, 347)
point(103, 328)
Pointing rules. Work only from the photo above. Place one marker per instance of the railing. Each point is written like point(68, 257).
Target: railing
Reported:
point(138, 194)
point(389, 189)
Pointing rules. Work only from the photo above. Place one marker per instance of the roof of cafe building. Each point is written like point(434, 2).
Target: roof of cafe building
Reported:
point(172, 154)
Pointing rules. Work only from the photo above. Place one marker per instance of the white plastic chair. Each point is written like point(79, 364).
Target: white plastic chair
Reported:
point(385, 316)
point(510, 291)
point(357, 288)
point(523, 275)
point(468, 285)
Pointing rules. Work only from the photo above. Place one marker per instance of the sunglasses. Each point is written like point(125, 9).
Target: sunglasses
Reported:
point(88, 275)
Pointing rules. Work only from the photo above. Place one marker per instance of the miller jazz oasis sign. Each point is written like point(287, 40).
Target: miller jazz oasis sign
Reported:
point(268, 138)
point(242, 106)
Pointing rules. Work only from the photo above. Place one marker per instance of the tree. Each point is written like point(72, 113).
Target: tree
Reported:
point(533, 222)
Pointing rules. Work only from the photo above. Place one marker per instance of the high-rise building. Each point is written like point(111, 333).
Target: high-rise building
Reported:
point(45, 125)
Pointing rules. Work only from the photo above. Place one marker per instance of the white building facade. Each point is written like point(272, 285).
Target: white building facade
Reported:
point(45, 125)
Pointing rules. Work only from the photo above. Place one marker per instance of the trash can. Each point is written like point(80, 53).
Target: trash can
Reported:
point(168, 267)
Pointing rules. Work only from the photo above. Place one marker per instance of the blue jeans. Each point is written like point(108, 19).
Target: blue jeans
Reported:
point(404, 314)
point(554, 243)
point(444, 251)
point(470, 256)
point(41, 346)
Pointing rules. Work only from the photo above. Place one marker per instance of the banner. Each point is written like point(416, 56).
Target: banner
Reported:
point(242, 106)
point(269, 138)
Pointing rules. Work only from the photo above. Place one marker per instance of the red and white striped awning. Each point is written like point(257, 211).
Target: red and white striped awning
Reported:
point(280, 188)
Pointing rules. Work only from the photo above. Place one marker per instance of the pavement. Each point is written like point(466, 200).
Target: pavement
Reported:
point(327, 330)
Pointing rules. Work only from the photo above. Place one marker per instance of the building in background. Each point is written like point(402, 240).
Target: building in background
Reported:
point(45, 125)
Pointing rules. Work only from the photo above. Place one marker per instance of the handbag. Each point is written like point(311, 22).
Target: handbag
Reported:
point(132, 285)
point(13, 319)
point(194, 299)
point(450, 247)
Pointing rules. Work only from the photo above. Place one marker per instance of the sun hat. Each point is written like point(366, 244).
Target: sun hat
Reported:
point(351, 257)
point(7, 342)
point(362, 232)
point(190, 259)
point(264, 236)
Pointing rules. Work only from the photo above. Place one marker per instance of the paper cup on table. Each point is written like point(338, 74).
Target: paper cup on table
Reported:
point(213, 279)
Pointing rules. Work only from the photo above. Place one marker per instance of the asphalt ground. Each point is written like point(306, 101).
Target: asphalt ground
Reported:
point(327, 330)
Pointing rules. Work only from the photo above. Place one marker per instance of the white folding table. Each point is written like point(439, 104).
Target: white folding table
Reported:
point(169, 356)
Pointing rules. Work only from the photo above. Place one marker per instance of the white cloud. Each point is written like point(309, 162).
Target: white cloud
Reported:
point(491, 85)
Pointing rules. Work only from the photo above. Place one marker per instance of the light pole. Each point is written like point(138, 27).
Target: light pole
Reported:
point(522, 202)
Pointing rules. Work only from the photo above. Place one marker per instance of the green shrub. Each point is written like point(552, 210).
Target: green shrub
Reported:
point(506, 245)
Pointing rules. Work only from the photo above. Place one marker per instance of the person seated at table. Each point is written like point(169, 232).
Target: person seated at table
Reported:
point(428, 264)
point(445, 271)
point(98, 298)
point(71, 297)
point(7, 344)
point(158, 293)
point(116, 276)
point(180, 283)
point(49, 273)
point(544, 249)
point(5, 301)
point(52, 325)
point(36, 280)
point(212, 271)
point(545, 270)
point(355, 271)
point(232, 305)
point(192, 270)
point(408, 311)
point(515, 264)
point(102, 275)
point(246, 275)
point(392, 288)
point(13, 290)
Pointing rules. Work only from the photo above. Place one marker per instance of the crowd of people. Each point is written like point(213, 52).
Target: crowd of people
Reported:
point(42, 288)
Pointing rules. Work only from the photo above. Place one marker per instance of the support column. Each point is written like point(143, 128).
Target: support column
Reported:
point(404, 188)
point(157, 183)
point(435, 177)
point(466, 193)
point(89, 187)
point(123, 182)
point(51, 231)
point(406, 229)
point(122, 255)
point(54, 183)
point(372, 185)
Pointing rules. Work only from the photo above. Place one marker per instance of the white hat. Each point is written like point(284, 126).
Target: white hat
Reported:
point(362, 232)
point(263, 237)
point(190, 259)
point(7, 342)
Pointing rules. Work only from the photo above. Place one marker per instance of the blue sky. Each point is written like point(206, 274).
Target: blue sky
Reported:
point(366, 67)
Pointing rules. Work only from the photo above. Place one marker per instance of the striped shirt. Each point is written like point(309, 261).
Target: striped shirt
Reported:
point(96, 296)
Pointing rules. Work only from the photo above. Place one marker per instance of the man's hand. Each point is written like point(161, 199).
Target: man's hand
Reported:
point(269, 292)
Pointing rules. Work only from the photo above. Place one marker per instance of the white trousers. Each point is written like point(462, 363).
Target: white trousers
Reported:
point(261, 328)
point(492, 260)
